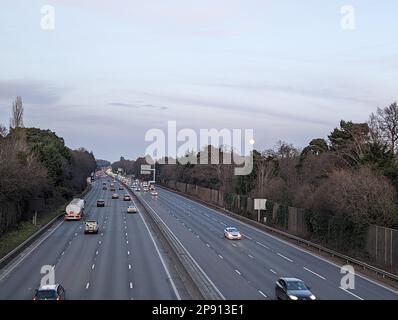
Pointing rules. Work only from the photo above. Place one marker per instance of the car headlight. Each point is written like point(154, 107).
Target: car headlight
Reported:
point(293, 297)
point(312, 297)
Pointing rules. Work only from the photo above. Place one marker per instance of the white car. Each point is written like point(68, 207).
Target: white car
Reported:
point(154, 193)
point(132, 209)
point(232, 233)
point(91, 227)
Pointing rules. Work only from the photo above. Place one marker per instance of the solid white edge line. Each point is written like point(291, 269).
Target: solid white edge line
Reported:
point(87, 285)
point(238, 272)
point(161, 259)
point(282, 241)
point(35, 246)
point(189, 255)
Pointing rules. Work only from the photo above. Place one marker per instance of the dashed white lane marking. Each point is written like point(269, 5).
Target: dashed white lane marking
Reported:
point(221, 257)
point(125, 227)
point(126, 234)
point(207, 245)
point(262, 293)
point(250, 256)
point(87, 285)
point(96, 253)
point(80, 227)
point(272, 271)
point(234, 244)
point(237, 271)
point(75, 234)
point(127, 241)
point(197, 236)
point(318, 275)
point(62, 253)
point(128, 252)
point(93, 266)
point(99, 242)
point(284, 257)
point(70, 242)
point(247, 237)
point(129, 266)
point(131, 285)
point(223, 223)
point(102, 234)
point(353, 294)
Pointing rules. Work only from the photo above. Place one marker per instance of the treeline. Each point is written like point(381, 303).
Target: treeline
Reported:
point(352, 174)
point(36, 164)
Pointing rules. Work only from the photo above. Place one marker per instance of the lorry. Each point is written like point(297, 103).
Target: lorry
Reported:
point(74, 210)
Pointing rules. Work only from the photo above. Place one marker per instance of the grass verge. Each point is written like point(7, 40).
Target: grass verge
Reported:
point(14, 237)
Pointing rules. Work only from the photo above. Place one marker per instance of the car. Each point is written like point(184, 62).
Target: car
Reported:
point(126, 197)
point(104, 188)
point(115, 196)
point(50, 292)
point(132, 209)
point(292, 289)
point(137, 189)
point(91, 226)
point(100, 203)
point(112, 184)
point(121, 188)
point(154, 193)
point(145, 189)
point(232, 233)
point(113, 189)
point(104, 183)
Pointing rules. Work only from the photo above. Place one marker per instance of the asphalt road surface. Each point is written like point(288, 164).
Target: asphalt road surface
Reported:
point(249, 268)
point(120, 262)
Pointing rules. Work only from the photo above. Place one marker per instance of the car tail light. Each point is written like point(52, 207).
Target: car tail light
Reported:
point(58, 298)
point(34, 298)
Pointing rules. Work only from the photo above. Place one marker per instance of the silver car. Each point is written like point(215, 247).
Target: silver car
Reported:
point(232, 233)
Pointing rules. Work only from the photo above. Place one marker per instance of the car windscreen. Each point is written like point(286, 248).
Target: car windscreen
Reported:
point(232, 230)
point(46, 294)
point(296, 285)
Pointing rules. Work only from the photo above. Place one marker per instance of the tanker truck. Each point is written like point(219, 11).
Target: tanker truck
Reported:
point(74, 210)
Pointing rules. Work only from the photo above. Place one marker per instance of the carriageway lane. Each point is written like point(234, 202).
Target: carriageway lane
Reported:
point(259, 257)
point(94, 266)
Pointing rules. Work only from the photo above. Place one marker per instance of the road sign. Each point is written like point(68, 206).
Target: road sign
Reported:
point(260, 204)
point(145, 172)
point(145, 167)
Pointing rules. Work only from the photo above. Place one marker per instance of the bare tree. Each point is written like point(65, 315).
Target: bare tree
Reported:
point(385, 125)
point(17, 113)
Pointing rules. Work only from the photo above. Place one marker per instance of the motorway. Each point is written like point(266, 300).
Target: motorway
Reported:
point(120, 262)
point(125, 260)
point(248, 268)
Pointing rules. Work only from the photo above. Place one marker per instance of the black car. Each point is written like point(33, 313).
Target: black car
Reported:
point(292, 289)
point(100, 203)
point(50, 292)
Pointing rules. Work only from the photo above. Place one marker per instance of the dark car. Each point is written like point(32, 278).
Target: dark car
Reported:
point(104, 188)
point(121, 188)
point(292, 289)
point(50, 292)
point(127, 197)
point(100, 203)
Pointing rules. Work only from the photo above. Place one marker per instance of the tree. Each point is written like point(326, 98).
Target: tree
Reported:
point(384, 126)
point(3, 131)
point(17, 114)
point(350, 141)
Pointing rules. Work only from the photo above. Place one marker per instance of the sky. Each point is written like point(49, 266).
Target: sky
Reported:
point(109, 71)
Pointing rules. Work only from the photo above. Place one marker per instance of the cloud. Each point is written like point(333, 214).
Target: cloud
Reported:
point(31, 91)
point(137, 106)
